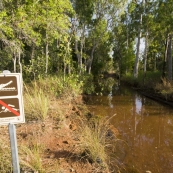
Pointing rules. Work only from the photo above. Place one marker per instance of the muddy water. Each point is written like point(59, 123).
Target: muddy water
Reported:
point(146, 129)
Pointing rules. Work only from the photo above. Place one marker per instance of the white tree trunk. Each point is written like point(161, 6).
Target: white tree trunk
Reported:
point(145, 53)
point(20, 64)
point(136, 66)
point(91, 60)
point(14, 62)
point(170, 57)
point(47, 53)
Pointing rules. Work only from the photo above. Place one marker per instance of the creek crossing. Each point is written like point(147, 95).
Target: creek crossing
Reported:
point(145, 126)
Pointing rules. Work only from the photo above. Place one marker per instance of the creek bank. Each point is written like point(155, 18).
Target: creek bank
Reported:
point(151, 93)
point(59, 139)
point(157, 96)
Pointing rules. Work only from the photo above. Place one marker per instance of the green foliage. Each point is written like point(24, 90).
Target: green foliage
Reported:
point(35, 69)
point(43, 34)
point(84, 9)
point(148, 80)
point(88, 87)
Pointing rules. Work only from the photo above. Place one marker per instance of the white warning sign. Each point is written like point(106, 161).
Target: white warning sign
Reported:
point(11, 101)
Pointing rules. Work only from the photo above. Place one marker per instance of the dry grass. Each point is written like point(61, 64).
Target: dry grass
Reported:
point(165, 87)
point(36, 102)
point(31, 158)
point(5, 157)
point(97, 142)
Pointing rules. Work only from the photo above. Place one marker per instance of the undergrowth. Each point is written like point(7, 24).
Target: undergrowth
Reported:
point(97, 143)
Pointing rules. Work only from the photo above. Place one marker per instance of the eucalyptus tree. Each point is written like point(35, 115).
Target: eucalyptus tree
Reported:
point(53, 25)
point(163, 19)
point(141, 23)
point(106, 14)
point(137, 16)
point(124, 36)
point(93, 21)
point(9, 43)
point(31, 28)
point(80, 26)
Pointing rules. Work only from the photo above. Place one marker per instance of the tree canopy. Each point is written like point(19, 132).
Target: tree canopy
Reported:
point(92, 36)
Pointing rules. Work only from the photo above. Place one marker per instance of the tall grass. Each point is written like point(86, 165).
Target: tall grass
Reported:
point(39, 94)
point(30, 158)
point(96, 143)
point(36, 102)
point(5, 157)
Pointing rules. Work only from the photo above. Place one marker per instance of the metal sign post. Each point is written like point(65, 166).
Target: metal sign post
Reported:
point(11, 109)
point(14, 149)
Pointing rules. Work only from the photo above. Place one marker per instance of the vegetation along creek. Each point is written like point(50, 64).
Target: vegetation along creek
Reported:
point(97, 85)
point(145, 126)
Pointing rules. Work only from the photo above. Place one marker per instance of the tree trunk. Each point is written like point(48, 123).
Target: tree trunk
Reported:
point(14, 62)
point(47, 53)
point(165, 58)
point(136, 66)
point(170, 57)
point(81, 54)
point(91, 59)
point(32, 58)
point(155, 62)
point(20, 64)
point(145, 54)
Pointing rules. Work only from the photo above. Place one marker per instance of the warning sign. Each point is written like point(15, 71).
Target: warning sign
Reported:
point(8, 86)
point(11, 102)
point(9, 107)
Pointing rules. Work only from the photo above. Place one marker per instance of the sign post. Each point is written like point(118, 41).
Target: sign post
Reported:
point(11, 109)
point(14, 149)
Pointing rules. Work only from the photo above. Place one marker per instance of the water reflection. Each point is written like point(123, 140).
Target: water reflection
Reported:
point(145, 125)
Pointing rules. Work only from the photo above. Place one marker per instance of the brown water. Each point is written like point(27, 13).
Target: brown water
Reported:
point(146, 128)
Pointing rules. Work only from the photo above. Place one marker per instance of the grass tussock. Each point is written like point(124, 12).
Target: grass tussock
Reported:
point(31, 158)
point(97, 142)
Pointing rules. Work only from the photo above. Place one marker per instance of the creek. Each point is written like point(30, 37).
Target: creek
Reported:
point(145, 127)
